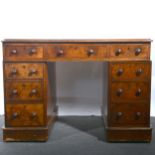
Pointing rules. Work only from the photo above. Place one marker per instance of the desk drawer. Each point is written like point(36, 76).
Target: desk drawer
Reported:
point(129, 91)
point(23, 52)
point(22, 115)
point(24, 70)
point(24, 90)
point(129, 114)
point(76, 51)
point(130, 70)
point(129, 51)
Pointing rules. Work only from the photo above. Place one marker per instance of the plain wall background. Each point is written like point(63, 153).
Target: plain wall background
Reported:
point(78, 19)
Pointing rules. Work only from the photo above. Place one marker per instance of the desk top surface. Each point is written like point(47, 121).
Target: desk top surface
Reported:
point(77, 40)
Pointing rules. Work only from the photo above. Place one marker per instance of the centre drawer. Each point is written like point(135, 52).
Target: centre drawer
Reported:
point(24, 90)
point(76, 51)
point(20, 115)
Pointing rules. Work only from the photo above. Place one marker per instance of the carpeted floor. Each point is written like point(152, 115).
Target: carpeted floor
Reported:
point(77, 135)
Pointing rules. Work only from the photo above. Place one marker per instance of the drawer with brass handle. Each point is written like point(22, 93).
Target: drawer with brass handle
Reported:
point(24, 90)
point(18, 52)
point(23, 70)
point(130, 71)
point(20, 115)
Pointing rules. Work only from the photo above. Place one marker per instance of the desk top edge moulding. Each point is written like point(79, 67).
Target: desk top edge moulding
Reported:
point(30, 91)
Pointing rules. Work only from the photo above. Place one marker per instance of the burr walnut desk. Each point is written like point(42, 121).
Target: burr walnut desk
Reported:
point(29, 91)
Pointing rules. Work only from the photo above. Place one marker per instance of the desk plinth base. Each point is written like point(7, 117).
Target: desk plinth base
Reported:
point(28, 133)
point(116, 134)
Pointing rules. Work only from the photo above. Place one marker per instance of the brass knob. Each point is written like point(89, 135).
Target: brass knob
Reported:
point(118, 52)
point(14, 51)
point(33, 115)
point(139, 72)
point(32, 71)
point(120, 72)
point(90, 52)
point(32, 51)
point(138, 51)
point(15, 115)
point(119, 92)
point(60, 53)
point(138, 93)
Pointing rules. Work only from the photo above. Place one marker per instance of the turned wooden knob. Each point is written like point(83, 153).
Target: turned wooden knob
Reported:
point(120, 72)
point(118, 52)
point(13, 71)
point(33, 114)
point(13, 51)
point(33, 91)
point(14, 92)
point(138, 114)
point(138, 51)
point(139, 72)
point(138, 92)
point(32, 71)
point(119, 92)
point(15, 115)
point(119, 114)
point(90, 52)
point(60, 53)
point(32, 51)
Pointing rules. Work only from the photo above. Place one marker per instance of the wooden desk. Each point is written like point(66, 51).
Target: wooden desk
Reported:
point(30, 97)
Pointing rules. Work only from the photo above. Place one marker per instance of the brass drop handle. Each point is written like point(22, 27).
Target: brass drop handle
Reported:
point(33, 115)
point(14, 52)
point(15, 115)
point(90, 52)
point(138, 93)
point(119, 92)
point(119, 114)
point(120, 72)
point(32, 71)
point(60, 53)
point(14, 92)
point(32, 51)
point(118, 52)
point(139, 72)
point(138, 51)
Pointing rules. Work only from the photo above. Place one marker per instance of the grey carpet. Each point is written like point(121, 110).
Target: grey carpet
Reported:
point(77, 135)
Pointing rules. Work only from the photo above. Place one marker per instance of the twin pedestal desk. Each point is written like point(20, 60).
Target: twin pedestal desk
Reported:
point(30, 96)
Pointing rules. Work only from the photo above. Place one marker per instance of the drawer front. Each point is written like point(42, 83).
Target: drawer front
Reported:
point(24, 90)
point(76, 51)
point(21, 115)
point(129, 114)
point(23, 52)
point(128, 91)
point(129, 51)
point(23, 70)
point(130, 70)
